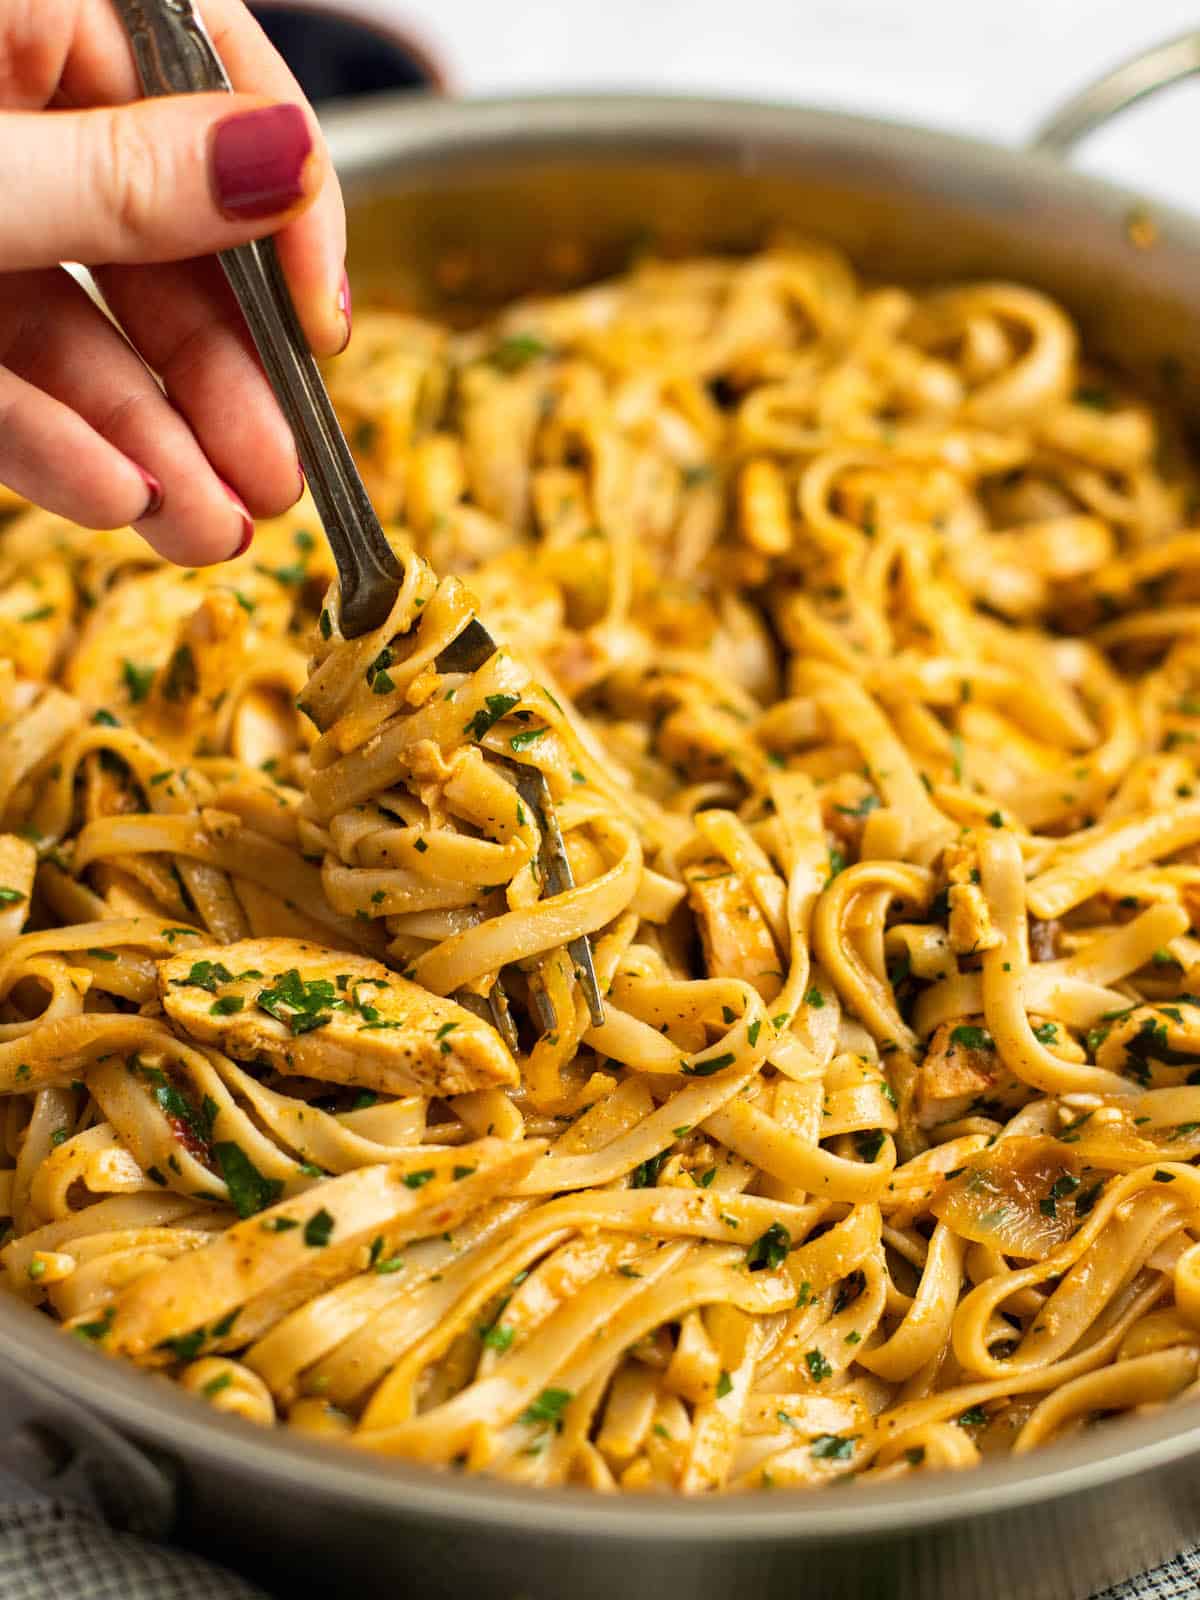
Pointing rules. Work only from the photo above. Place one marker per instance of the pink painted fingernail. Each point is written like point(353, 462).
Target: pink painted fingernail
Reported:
point(345, 308)
point(258, 161)
point(247, 522)
point(154, 494)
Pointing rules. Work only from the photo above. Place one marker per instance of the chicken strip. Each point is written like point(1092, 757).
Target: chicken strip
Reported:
point(733, 931)
point(324, 1014)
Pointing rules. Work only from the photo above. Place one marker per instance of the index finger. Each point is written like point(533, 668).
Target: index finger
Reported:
point(100, 70)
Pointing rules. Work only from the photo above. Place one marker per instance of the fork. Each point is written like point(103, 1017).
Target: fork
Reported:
point(174, 55)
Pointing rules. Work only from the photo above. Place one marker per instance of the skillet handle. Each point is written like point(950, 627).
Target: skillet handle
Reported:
point(1142, 75)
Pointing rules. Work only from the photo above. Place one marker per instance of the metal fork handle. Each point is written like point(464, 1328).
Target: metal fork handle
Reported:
point(174, 55)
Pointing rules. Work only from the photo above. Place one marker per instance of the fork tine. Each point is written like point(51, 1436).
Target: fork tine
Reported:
point(557, 876)
point(494, 1010)
point(542, 1003)
point(468, 650)
point(502, 1016)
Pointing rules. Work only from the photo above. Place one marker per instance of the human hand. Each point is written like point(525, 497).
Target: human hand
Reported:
point(137, 191)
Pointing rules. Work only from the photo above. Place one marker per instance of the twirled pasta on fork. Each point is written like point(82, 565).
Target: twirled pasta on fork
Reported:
point(855, 634)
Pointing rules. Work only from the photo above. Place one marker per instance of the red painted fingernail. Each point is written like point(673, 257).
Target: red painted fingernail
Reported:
point(154, 494)
point(247, 522)
point(346, 308)
point(258, 161)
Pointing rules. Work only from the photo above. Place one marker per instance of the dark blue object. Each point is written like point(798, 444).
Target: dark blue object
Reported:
point(335, 55)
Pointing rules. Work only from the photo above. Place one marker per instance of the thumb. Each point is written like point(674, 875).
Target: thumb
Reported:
point(158, 180)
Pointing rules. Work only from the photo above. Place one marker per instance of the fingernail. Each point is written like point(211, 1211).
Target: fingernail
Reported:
point(154, 494)
point(346, 309)
point(247, 522)
point(300, 485)
point(258, 160)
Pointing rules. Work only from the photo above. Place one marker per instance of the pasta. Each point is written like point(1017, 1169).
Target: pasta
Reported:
point(853, 630)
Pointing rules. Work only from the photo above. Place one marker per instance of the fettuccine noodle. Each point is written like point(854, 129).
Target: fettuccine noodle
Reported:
point(854, 634)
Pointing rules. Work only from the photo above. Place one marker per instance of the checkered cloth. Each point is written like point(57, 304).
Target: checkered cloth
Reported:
point(54, 1550)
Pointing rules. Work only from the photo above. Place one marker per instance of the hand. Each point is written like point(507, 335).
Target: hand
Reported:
point(136, 192)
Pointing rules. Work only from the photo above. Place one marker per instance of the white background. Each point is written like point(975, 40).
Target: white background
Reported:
point(989, 67)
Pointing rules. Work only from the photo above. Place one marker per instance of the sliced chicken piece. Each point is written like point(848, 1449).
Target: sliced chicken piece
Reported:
point(970, 925)
point(962, 1067)
point(321, 1013)
point(737, 941)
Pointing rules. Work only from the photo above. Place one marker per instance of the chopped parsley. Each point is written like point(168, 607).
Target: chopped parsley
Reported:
point(972, 1038)
point(645, 1174)
point(302, 1005)
point(185, 1346)
point(1088, 1198)
point(864, 807)
point(318, 1229)
point(548, 1407)
point(869, 1142)
point(204, 975)
point(705, 1069)
point(137, 680)
point(770, 1249)
point(818, 1368)
point(517, 350)
point(495, 706)
point(833, 1447)
point(97, 1330)
point(1059, 1190)
point(249, 1190)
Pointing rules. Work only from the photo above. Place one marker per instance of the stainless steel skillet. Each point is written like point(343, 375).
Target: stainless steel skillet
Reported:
point(468, 203)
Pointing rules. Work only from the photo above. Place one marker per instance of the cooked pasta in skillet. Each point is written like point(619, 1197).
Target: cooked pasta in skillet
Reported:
point(855, 632)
